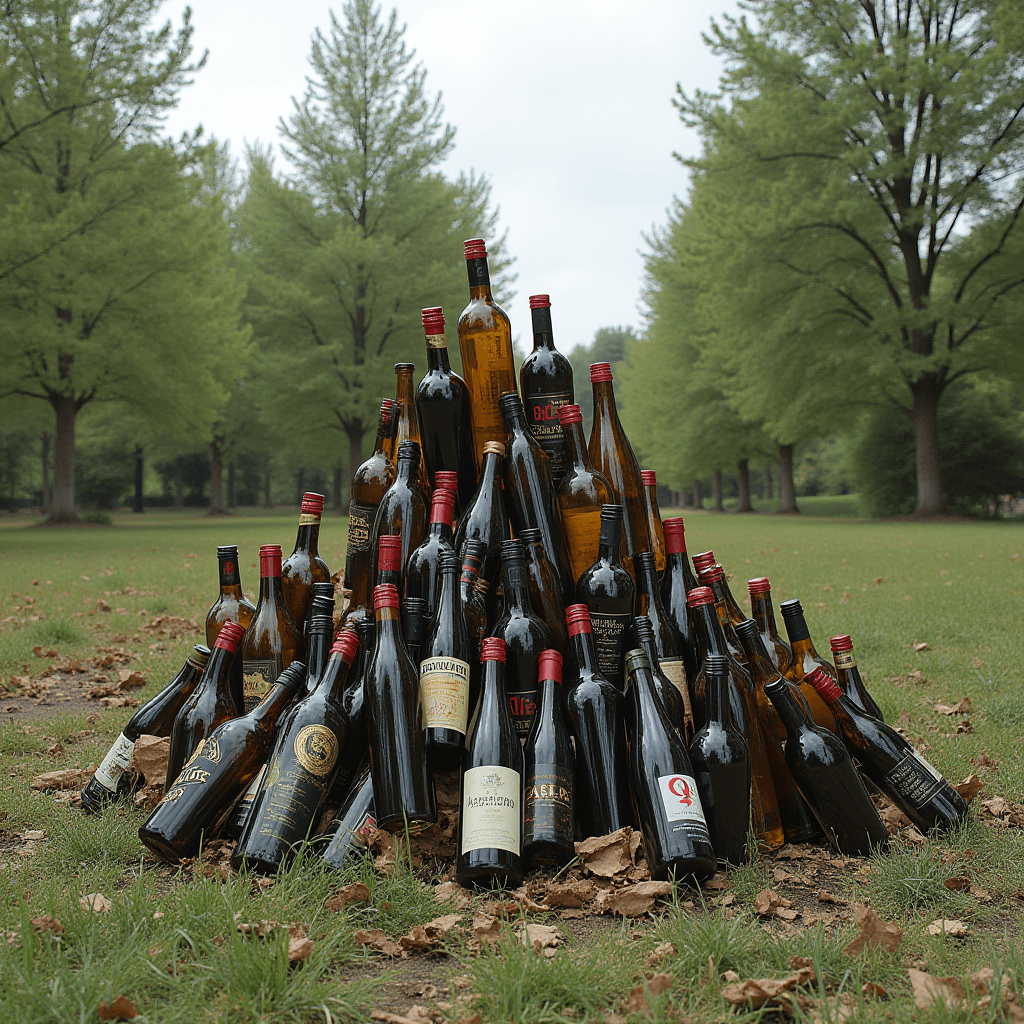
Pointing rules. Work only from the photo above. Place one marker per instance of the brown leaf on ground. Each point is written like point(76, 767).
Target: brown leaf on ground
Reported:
point(299, 948)
point(430, 935)
point(68, 778)
point(970, 787)
point(633, 900)
point(376, 938)
point(872, 990)
point(122, 1008)
point(101, 605)
point(48, 924)
point(452, 892)
point(954, 929)
point(149, 758)
point(523, 898)
point(893, 818)
point(354, 892)
point(959, 883)
point(659, 953)
point(929, 990)
point(652, 985)
point(607, 856)
point(874, 932)
point(540, 937)
point(570, 894)
point(149, 796)
point(776, 992)
point(416, 1014)
point(824, 896)
point(44, 652)
point(921, 645)
point(96, 902)
point(128, 680)
point(486, 927)
point(768, 903)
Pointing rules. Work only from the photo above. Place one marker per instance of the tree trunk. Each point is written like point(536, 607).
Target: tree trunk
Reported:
point(340, 506)
point(217, 477)
point(300, 480)
point(63, 508)
point(718, 506)
point(926, 437)
point(787, 496)
point(137, 505)
point(267, 501)
point(743, 474)
point(179, 482)
point(47, 441)
point(355, 431)
point(768, 480)
point(698, 498)
point(231, 484)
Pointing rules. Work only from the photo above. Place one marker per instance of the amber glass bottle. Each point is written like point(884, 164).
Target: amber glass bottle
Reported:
point(545, 595)
point(203, 794)
point(798, 822)
point(403, 511)
point(442, 401)
point(472, 598)
point(231, 606)
point(304, 566)
point(581, 495)
point(655, 529)
point(485, 519)
point(763, 613)
point(421, 572)
point(713, 576)
point(805, 657)
point(403, 778)
point(849, 680)
point(409, 419)
point(706, 562)
point(532, 501)
point(677, 581)
point(370, 483)
point(612, 455)
point(272, 642)
point(485, 341)
point(545, 380)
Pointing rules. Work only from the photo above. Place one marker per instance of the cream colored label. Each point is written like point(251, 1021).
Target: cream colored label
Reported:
point(437, 341)
point(845, 659)
point(316, 749)
point(444, 693)
point(491, 811)
point(675, 670)
point(116, 763)
point(308, 519)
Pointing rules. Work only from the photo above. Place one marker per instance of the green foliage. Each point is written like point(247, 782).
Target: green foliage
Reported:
point(822, 467)
point(981, 445)
point(610, 345)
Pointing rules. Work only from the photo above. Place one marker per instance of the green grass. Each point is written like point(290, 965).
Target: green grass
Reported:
point(170, 944)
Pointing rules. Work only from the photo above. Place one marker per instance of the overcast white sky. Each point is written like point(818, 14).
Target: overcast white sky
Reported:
point(566, 105)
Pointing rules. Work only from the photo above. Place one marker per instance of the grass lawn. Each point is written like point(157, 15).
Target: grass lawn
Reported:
point(169, 941)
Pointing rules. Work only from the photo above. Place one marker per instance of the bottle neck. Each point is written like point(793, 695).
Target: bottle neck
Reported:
point(489, 473)
point(266, 713)
point(448, 594)
point(270, 589)
point(218, 668)
point(383, 432)
point(406, 470)
point(440, 528)
point(230, 579)
point(649, 648)
point(647, 579)
point(759, 660)
point(479, 278)
point(710, 631)
point(492, 691)
point(604, 402)
point(792, 715)
point(515, 421)
point(584, 652)
point(577, 446)
point(546, 706)
point(644, 693)
point(764, 614)
point(404, 391)
point(716, 698)
point(437, 354)
point(609, 542)
point(307, 538)
point(543, 338)
point(515, 584)
point(334, 678)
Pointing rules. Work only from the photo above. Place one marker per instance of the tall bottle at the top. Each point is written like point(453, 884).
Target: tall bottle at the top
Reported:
point(304, 566)
point(272, 640)
point(231, 606)
point(485, 340)
point(409, 419)
point(403, 510)
point(442, 401)
point(545, 380)
point(612, 456)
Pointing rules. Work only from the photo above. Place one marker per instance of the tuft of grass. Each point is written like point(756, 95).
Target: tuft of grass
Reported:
point(903, 881)
point(57, 631)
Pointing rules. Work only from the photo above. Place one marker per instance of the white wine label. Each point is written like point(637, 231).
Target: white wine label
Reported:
point(258, 675)
point(679, 796)
point(845, 659)
point(116, 763)
point(444, 692)
point(491, 809)
point(675, 670)
point(307, 519)
point(915, 779)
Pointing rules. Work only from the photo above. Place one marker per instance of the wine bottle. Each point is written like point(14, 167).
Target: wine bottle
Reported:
point(827, 779)
point(550, 767)
point(713, 576)
point(155, 718)
point(391, 441)
point(322, 603)
point(421, 574)
point(805, 657)
point(545, 380)
point(442, 402)
point(702, 560)
point(304, 566)
point(670, 697)
point(490, 798)
point(713, 571)
point(798, 822)
point(272, 640)
point(206, 789)
point(353, 703)
point(485, 341)
point(667, 643)
point(849, 680)
point(370, 483)
point(472, 595)
point(608, 592)
point(409, 421)
point(414, 627)
point(231, 606)
point(544, 590)
point(444, 670)
point(347, 835)
point(762, 612)
point(594, 708)
point(447, 480)
point(581, 495)
point(676, 841)
point(523, 635)
point(891, 762)
point(743, 706)
point(300, 769)
point(403, 779)
point(403, 510)
point(677, 581)
point(211, 702)
point(655, 528)
point(532, 501)
point(612, 455)
point(721, 766)
point(485, 518)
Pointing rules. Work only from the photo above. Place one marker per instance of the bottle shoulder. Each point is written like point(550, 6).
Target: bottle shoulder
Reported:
point(482, 315)
point(543, 367)
point(603, 579)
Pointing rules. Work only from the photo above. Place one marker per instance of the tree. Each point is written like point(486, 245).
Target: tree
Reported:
point(345, 252)
point(610, 345)
point(908, 118)
point(115, 285)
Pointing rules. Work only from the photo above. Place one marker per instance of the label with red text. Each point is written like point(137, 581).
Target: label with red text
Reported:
point(682, 805)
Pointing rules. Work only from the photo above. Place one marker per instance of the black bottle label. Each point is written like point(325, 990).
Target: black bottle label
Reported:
point(542, 416)
point(547, 804)
point(915, 779)
point(610, 637)
point(294, 795)
point(360, 536)
point(258, 675)
point(229, 576)
point(682, 806)
point(523, 706)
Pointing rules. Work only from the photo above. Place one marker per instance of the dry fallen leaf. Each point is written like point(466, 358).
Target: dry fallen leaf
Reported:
point(121, 1008)
point(486, 927)
point(452, 892)
point(607, 856)
point(954, 929)
point(970, 787)
point(569, 894)
point(874, 932)
point(48, 924)
point(921, 646)
point(659, 953)
point(929, 990)
point(428, 936)
point(652, 985)
point(299, 948)
point(96, 902)
point(777, 992)
point(376, 938)
point(768, 903)
point(633, 900)
point(959, 883)
point(67, 778)
point(540, 937)
point(872, 990)
point(354, 892)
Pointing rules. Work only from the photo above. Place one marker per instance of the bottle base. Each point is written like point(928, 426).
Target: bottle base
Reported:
point(485, 878)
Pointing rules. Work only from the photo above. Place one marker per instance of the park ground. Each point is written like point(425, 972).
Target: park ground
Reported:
point(86, 920)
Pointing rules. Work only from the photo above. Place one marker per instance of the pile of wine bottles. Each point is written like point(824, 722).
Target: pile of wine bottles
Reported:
point(514, 609)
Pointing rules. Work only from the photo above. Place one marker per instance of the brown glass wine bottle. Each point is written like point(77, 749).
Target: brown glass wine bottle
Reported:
point(848, 677)
point(544, 592)
point(805, 658)
point(423, 567)
point(677, 581)
point(403, 510)
point(304, 566)
point(655, 529)
point(409, 420)
point(231, 606)
point(485, 341)
point(612, 455)
point(272, 641)
point(763, 613)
